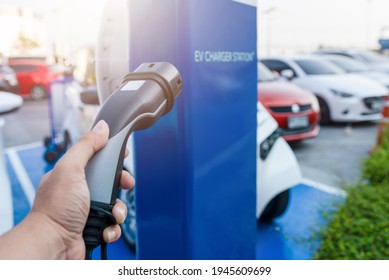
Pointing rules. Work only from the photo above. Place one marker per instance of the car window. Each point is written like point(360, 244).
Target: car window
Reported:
point(343, 54)
point(264, 74)
point(349, 65)
point(372, 57)
point(277, 65)
point(318, 67)
point(336, 53)
point(24, 68)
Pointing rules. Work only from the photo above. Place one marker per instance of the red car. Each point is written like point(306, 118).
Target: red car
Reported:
point(296, 110)
point(34, 76)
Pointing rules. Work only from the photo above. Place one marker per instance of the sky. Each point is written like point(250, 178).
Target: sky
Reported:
point(286, 26)
point(72, 23)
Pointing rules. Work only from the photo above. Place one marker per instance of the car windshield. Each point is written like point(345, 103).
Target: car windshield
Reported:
point(349, 65)
point(372, 57)
point(264, 74)
point(318, 67)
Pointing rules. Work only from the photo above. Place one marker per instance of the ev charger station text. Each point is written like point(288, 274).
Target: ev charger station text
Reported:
point(223, 56)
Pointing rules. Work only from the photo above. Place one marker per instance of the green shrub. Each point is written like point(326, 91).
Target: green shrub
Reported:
point(376, 167)
point(385, 136)
point(360, 227)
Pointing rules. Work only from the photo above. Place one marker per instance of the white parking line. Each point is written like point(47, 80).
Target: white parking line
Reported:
point(6, 202)
point(22, 175)
point(6, 206)
point(324, 188)
point(25, 147)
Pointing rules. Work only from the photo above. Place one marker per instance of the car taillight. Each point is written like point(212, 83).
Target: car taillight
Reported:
point(385, 107)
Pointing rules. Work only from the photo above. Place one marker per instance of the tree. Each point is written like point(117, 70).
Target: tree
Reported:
point(24, 43)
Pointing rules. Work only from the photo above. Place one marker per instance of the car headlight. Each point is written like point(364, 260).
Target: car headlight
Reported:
point(315, 104)
point(268, 143)
point(341, 93)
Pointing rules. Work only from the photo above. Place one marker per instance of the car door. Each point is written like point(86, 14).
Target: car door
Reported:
point(24, 73)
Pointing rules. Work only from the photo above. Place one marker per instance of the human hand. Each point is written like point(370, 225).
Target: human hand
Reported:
point(62, 200)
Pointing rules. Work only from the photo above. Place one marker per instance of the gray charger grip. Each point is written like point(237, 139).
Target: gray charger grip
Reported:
point(145, 95)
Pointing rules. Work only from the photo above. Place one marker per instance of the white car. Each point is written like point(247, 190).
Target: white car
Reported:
point(353, 66)
point(9, 102)
point(6, 215)
point(374, 61)
point(342, 97)
point(277, 168)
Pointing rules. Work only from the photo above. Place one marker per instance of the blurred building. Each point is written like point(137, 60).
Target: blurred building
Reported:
point(83, 64)
point(23, 33)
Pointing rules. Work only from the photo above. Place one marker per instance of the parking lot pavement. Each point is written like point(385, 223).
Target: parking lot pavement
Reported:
point(334, 157)
point(27, 125)
point(294, 236)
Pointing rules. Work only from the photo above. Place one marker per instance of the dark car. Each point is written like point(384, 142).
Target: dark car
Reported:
point(8, 80)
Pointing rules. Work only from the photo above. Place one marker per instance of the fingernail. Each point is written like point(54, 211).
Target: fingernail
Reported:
point(99, 127)
point(123, 214)
point(111, 235)
point(132, 181)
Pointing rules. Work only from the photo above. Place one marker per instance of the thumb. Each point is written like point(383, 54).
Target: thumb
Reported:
point(81, 152)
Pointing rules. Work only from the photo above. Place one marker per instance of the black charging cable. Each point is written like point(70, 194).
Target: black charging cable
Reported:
point(99, 218)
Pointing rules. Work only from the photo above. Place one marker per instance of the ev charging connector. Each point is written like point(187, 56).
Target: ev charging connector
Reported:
point(144, 96)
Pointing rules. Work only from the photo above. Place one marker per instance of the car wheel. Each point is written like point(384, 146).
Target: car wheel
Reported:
point(325, 116)
point(38, 93)
point(129, 226)
point(51, 156)
point(276, 207)
point(47, 141)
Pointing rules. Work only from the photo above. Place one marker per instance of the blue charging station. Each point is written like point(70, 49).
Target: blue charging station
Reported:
point(196, 168)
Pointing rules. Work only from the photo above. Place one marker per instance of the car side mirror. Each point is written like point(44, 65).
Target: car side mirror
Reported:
point(89, 96)
point(287, 74)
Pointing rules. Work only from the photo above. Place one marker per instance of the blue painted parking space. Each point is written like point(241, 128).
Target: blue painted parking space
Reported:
point(20, 203)
point(292, 236)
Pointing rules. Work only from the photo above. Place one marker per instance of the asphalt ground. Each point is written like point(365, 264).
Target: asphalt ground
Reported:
point(29, 124)
point(335, 156)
